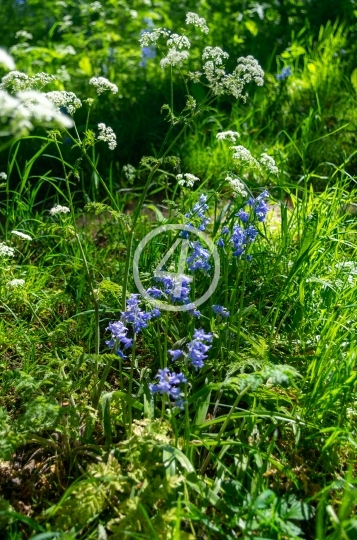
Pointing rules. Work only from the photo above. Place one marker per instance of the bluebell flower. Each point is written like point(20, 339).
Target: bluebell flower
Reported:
point(285, 73)
point(176, 289)
point(198, 260)
point(225, 230)
point(156, 313)
point(199, 211)
point(197, 349)
point(201, 335)
point(243, 216)
point(220, 310)
point(238, 240)
point(119, 332)
point(259, 205)
point(154, 292)
point(251, 233)
point(134, 315)
point(175, 353)
point(194, 312)
point(168, 384)
point(220, 242)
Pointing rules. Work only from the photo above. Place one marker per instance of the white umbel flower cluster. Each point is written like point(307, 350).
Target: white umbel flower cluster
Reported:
point(22, 112)
point(15, 283)
point(22, 235)
point(186, 179)
point(269, 164)
point(64, 99)
point(6, 251)
point(216, 54)
point(23, 35)
point(174, 58)
point(231, 136)
point(237, 186)
point(17, 81)
point(106, 134)
point(3, 176)
point(129, 172)
point(242, 154)
point(178, 41)
point(6, 60)
point(58, 209)
point(199, 22)
point(151, 38)
point(102, 84)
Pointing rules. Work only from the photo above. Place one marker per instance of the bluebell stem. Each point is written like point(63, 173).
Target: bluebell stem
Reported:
point(168, 384)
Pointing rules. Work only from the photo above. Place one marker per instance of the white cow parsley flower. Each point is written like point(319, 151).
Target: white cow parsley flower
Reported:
point(174, 58)
point(6, 251)
point(6, 60)
point(130, 172)
point(23, 34)
point(21, 235)
point(14, 283)
point(228, 135)
point(186, 179)
point(3, 176)
point(64, 99)
point(58, 209)
point(151, 37)
point(107, 135)
point(195, 20)
point(102, 84)
point(249, 70)
point(17, 80)
point(269, 164)
point(242, 154)
point(238, 188)
point(216, 54)
point(181, 42)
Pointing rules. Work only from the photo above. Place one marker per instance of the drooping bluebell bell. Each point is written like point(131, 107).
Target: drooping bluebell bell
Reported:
point(220, 310)
point(225, 230)
point(154, 292)
point(259, 205)
point(284, 74)
point(238, 240)
point(175, 354)
point(199, 211)
point(168, 384)
point(251, 233)
point(177, 290)
point(194, 312)
point(220, 242)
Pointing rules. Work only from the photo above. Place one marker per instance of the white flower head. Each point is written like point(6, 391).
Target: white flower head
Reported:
point(269, 164)
point(148, 37)
point(15, 283)
point(22, 235)
point(17, 81)
point(23, 34)
point(199, 22)
point(179, 42)
point(3, 176)
point(228, 135)
point(186, 179)
point(238, 188)
point(174, 58)
point(130, 172)
point(65, 99)
point(249, 70)
point(6, 60)
point(102, 84)
point(106, 134)
point(58, 209)
point(6, 251)
point(242, 154)
point(216, 54)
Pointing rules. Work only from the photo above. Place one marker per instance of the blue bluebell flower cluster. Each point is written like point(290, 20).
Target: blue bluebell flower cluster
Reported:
point(244, 235)
point(136, 316)
point(168, 384)
point(198, 260)
point(220, 310)
point(199, 212)
point(284, 74)
point(118, 338)
point(198, 348)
